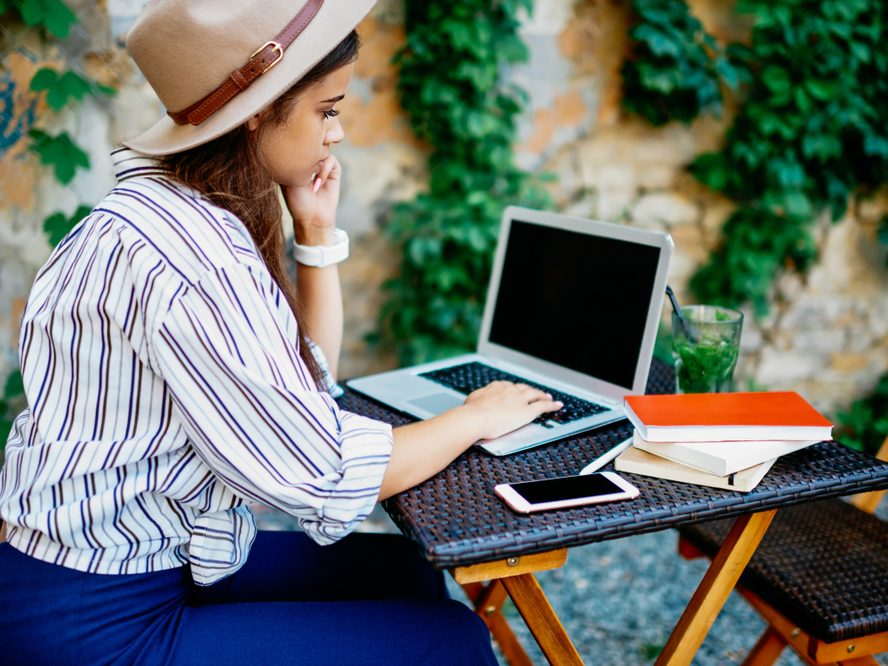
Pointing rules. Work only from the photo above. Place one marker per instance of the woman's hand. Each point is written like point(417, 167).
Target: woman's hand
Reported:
point(503, 407)
point(424, 448)
point(313, 205)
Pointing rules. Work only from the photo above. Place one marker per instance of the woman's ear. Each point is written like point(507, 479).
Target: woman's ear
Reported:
point(253, 123)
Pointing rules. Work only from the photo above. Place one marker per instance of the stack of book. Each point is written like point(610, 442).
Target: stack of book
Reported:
point(723, 440)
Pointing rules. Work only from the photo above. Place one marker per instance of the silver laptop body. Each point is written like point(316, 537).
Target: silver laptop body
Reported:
point(572, 305)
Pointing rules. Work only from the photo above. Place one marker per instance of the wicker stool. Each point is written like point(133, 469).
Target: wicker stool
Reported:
point(819, 578)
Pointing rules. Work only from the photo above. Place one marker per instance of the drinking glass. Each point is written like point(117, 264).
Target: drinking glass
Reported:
point(705, 346)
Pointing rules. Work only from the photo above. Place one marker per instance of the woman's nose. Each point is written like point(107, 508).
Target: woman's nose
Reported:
point(335, 132)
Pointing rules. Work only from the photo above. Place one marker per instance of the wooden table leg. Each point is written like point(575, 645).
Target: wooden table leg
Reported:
point(767, 649)
point(488, 597)
point(488, 600)
point(542, 621)
point(714, 589)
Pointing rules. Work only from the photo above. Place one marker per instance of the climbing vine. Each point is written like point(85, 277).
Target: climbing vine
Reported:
point(675, 68)
point(452, 86)
point(864, 425)
point(809, 135)
point(53, 20)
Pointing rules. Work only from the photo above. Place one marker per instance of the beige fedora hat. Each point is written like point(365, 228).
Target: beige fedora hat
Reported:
point(215, 64)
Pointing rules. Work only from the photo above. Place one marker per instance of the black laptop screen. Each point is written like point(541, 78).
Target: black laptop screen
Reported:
point(576, 300)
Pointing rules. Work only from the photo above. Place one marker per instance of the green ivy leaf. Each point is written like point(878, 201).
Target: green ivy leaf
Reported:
point(729, 73)
point(659, 43)
point(14, 385)
point(57, 226)
point(777, 79)
point(75, 85)
point(44, 79)
point(822, 90)
point(882, 232)
point(821, 147)
point(60, 89)
point(60, 152)
point(860, 51)
point(53, 15)
point(790, 174)
point(798, 205)
point(711, 169)
point(876, 146)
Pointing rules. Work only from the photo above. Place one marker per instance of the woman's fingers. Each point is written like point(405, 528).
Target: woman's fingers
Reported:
point(534, 394)
point(528, 392)
point(516, 394)
point(330, 169)
point(544, 406)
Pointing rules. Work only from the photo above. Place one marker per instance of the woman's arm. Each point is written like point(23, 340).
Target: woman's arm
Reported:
point(423, 449)
point(313, 208)
point(321, 298)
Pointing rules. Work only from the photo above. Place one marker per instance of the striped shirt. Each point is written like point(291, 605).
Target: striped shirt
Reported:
point(166, 392)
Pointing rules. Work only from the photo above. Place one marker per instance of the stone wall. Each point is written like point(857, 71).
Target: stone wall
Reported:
point(826, 334)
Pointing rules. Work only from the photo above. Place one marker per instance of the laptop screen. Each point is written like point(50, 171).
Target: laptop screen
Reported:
point(574, 299)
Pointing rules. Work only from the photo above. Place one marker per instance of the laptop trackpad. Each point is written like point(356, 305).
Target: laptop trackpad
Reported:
point(438, 402)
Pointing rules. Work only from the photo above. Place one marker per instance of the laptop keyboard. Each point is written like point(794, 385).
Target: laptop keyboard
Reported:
point(468, 377)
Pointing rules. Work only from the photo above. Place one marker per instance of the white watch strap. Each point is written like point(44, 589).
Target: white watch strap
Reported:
point(320, 256)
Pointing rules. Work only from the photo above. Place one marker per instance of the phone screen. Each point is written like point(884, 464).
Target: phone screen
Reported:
point(566, 488)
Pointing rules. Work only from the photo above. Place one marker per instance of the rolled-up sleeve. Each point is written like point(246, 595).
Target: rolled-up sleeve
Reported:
point(226, 349)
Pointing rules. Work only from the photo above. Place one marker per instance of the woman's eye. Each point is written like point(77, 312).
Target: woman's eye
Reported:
point(331, 113)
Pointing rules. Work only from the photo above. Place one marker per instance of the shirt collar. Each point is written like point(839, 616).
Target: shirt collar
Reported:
point(130, 164)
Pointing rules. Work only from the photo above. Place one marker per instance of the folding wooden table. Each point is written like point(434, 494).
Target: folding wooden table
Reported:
point(460, 524)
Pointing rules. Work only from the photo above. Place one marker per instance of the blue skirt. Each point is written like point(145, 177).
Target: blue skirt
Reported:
point(368, 599)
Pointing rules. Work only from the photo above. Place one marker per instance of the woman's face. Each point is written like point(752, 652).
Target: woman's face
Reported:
point(292, 150)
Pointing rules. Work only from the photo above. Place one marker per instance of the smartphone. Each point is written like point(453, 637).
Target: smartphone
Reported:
point(565, 491)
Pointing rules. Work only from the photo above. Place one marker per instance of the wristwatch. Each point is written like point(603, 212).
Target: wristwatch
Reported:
point(321, 256)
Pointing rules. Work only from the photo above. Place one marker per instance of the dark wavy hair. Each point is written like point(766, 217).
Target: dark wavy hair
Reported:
point(229, 171)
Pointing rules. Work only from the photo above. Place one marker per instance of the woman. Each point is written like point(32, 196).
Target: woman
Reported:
point(171, 381)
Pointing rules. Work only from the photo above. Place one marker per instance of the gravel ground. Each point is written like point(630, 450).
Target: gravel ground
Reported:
point(619, 599)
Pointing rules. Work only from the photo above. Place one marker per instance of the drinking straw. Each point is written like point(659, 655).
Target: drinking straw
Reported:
point(677, 309)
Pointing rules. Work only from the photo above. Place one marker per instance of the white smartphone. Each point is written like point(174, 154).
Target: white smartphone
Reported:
point(565, 491)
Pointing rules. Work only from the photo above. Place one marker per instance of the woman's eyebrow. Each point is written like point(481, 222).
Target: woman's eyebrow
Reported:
point(332, 100)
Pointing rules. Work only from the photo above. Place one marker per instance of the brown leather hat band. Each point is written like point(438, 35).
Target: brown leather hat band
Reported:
point(263, 59)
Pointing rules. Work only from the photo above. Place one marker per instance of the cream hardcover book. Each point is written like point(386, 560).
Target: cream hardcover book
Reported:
point(721, 458)
point(636, 461)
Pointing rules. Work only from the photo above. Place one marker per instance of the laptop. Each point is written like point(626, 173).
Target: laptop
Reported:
point(572, 307)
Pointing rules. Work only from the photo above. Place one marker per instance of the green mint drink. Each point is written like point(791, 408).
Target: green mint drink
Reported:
point(706, 348)
point(706, 366)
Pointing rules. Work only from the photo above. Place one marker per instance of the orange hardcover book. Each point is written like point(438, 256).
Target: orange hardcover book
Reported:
point(703, 417)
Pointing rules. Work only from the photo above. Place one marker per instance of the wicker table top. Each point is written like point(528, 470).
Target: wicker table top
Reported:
point(457, 520)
